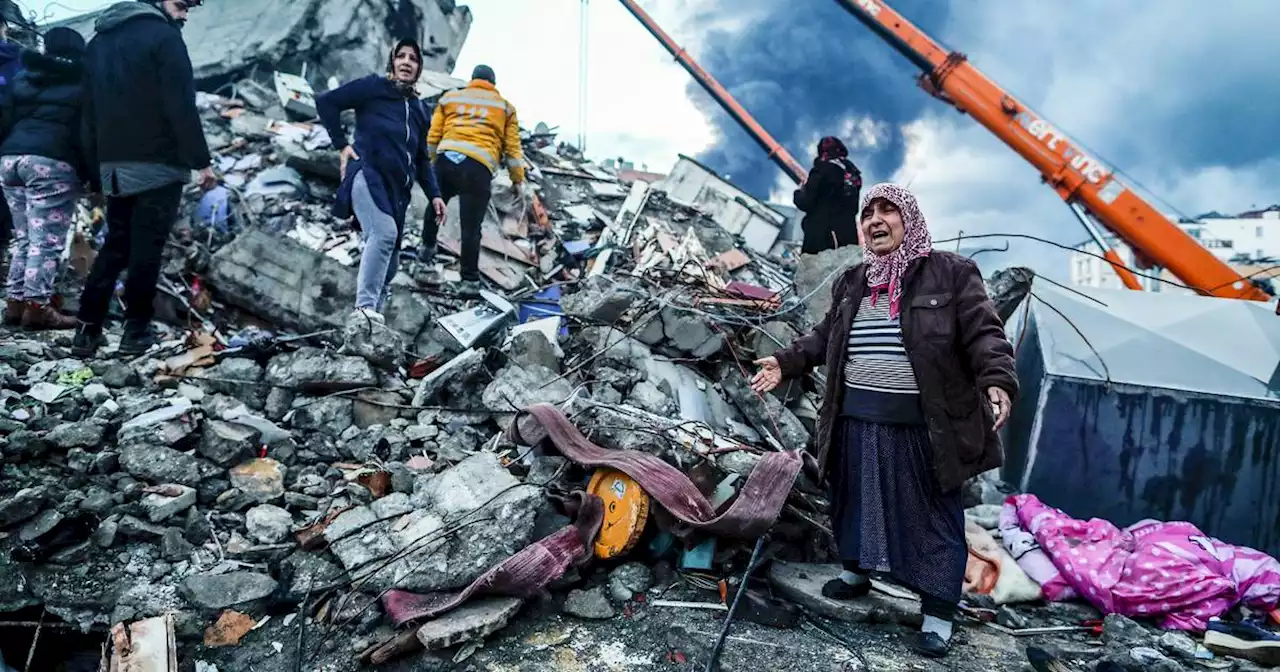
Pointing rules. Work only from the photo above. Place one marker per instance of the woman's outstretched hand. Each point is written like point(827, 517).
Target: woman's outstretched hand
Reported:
point(768, 377)
point(1000, 405)
point(348, 153)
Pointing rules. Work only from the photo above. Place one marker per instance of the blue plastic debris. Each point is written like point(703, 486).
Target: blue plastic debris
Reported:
point(700, 556)
point(215, 208)
point(576, 247)
point(545, 303)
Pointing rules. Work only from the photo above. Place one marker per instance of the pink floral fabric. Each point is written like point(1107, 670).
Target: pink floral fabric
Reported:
point(1170, 572)
point(41, 194)
point(884, 272)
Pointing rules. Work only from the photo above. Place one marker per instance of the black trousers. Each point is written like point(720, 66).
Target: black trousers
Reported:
point(137, 228)
point(471, 182)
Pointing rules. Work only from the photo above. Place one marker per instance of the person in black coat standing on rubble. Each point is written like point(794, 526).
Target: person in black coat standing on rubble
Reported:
point(43, 170)
point(144, 138)
point(829, 199)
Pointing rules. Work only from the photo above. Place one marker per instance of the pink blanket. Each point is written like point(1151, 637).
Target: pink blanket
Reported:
point(1171, 572)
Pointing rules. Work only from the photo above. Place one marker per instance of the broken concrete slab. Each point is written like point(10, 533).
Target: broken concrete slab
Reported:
point(476, 619)
point(766, 414)
point(802, 584)
point(220, 591)
point(375, 342)
point(591, 604)
point(23, 504)
point(163, 506)
point(328, 415)
point(160, 464)
point(227, 443)
point(279, 279)
point(238, 377)
point(531, 348)
point(815, 274)
point(261, 480)
point(515, 387)
point(268, 524)
point(170, 425)
point(345, 39)
point(316, 370)
point(86, 434)
point(601, 299)
point(500, 509)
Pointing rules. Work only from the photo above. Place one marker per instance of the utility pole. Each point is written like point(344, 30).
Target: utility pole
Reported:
point(583, 55)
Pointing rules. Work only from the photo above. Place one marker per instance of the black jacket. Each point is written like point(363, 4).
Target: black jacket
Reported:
point(141, 96)
point(42, 111)
point(957, 346)
point(829, 199)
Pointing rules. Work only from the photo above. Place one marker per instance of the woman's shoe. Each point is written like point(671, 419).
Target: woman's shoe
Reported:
point(932, 645)
point(839, 589)
point(13, 310)
point(43, 316)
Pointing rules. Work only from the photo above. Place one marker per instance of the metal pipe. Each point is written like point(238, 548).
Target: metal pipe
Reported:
point(1117, 264)
point(728, 619)
point(777, 153)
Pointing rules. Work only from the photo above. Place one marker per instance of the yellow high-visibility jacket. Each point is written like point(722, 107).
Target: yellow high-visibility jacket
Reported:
point(478, 122)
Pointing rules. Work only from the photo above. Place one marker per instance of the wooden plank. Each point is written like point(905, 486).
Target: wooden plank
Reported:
point(492, 266)
point(144, 646)
point(506, 248)
point(730, 261)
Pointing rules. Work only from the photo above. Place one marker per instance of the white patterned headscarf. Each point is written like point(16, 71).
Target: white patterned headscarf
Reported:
point(884, 272)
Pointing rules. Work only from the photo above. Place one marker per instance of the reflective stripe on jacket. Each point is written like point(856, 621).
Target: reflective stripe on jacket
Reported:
point(478, 122)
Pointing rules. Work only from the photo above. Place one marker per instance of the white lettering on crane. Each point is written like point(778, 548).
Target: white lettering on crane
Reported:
point(869, 6)
point(1091, 168)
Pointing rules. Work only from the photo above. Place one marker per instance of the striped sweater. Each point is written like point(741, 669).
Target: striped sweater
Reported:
point(876, 357)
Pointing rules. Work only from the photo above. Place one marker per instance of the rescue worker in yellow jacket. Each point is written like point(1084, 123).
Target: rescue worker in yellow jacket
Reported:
point(472, 130)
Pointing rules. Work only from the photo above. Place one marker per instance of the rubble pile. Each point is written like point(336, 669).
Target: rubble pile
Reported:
point(275, 483)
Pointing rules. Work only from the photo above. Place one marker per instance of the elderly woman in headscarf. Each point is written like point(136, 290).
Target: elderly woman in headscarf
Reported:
point(829, 199)
point(920, 380)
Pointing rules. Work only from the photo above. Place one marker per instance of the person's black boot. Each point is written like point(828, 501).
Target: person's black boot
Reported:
point(137, 339)
point(839, 589)
point(87, 340)
point(932, 645)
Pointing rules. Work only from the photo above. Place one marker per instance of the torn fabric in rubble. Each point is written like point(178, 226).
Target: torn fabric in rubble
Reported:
point(1172, 572)
point(758, 504)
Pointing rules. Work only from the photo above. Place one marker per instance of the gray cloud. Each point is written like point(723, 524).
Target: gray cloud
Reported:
point(1181, 96)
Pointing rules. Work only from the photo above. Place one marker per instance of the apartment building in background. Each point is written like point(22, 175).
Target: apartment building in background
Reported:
point(1249, 242)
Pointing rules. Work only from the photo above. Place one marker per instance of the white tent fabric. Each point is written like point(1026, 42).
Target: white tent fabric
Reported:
point(1226, 347)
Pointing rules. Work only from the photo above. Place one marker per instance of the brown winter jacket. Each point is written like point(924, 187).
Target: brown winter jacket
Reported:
point(957, 347)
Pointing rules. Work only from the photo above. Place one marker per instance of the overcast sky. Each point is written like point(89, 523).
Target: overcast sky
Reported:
point(1181, 95)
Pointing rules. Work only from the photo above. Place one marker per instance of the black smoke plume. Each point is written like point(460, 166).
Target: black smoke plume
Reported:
point(804, 69)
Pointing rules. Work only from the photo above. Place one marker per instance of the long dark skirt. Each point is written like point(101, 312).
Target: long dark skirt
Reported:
point(888, 512)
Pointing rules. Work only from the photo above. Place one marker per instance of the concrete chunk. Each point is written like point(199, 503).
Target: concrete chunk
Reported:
point(802, 584)
point(161, 507)
point(476, 619)
point(220, 591)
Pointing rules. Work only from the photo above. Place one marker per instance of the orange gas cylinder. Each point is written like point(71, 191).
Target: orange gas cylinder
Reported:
point(626, 511)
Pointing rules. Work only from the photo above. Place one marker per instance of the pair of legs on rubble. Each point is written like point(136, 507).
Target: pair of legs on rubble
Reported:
point(381, 256)
point(41, 195)
point(890, 516)
point(470, 181)
point(137, 228)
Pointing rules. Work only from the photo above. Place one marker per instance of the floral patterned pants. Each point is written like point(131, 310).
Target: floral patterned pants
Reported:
point(42, 195)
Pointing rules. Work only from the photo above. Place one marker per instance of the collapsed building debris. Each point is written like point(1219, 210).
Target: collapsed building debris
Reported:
point(320, 40)
point(567, 468)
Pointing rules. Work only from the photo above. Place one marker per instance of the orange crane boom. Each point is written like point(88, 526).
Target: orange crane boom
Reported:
point(777, 153)
point(1082, 180)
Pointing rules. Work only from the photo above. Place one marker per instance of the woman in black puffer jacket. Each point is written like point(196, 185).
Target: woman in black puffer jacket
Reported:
point(42, 169)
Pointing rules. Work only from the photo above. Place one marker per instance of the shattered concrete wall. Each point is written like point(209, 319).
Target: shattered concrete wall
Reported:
point(229, 39)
